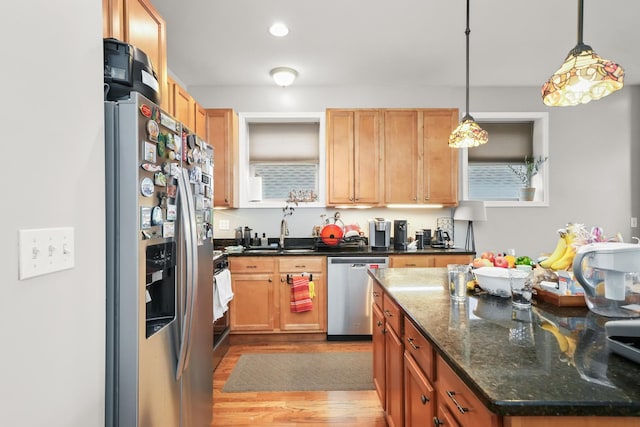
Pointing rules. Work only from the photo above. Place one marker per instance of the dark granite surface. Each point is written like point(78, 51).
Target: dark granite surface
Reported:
point(516, 367)
point(347, 250)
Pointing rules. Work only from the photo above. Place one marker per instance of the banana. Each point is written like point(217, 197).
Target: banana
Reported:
point(566, 261)
point(562, 340)
point(558, 252)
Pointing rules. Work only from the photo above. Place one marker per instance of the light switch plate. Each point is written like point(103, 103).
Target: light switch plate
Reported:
point(45, 250)
point(223, 224)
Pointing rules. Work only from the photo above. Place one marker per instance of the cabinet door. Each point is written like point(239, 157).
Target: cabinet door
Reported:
point(183, 107)
point(144, 28)
point(253, 306)
point(458, 399)
point(200, 117)
point(378, 354)
point(340, 152)
point(419, 395)
point(443, 260)
point(440, 165)
point(307, 321)
point(367, 157)
point(222, 135)
point(394, 378)
point(401, 156)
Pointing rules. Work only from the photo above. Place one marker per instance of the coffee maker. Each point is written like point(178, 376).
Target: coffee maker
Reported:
point(379, 233)
point(400, 234)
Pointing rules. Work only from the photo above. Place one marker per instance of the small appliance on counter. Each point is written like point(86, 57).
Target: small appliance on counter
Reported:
point(379, 233)
point(609, 273)
point(441, 239)
point(400, 234)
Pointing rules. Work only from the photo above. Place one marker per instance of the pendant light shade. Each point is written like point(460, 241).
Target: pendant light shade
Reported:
point(468, 133)
point(583, 77)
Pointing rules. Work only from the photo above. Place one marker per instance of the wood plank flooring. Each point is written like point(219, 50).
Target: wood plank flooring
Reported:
point(282, 409)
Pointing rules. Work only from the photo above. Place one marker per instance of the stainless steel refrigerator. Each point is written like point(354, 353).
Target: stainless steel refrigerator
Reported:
point(159, 193)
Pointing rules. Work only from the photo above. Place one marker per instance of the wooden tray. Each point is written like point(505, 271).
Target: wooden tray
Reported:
point(560, 300)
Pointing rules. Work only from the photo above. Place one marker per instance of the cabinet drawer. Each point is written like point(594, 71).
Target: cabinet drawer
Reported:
point(418, 346)
point(443, 260)
point(252, 264)
point(403, 261)
point(460, 401)
point(392, 314)
point(378, 292)
point(301, 264)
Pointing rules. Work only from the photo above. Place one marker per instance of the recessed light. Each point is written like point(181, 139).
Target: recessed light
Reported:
point(279, 30)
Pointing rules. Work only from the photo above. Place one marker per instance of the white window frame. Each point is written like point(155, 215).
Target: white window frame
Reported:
point(540, 122)
point(244, 173)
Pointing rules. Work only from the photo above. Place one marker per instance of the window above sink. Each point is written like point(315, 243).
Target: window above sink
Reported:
point(280, 153)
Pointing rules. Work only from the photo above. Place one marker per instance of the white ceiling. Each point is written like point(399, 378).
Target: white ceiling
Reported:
point(384, 42)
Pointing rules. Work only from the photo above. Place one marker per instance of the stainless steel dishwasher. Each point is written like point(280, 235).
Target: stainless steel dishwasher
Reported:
point(349, 299)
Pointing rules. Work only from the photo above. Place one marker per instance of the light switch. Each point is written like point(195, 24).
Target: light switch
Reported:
point(45, 250)
point(223, 224)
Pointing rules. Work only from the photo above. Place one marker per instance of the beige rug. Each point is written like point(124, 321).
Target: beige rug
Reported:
point(302, 372)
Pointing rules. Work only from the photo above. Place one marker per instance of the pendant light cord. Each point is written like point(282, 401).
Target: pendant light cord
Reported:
point(580, 19)
point(467, 31)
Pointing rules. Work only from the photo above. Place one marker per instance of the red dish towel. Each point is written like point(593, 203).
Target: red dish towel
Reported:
point(300, 299)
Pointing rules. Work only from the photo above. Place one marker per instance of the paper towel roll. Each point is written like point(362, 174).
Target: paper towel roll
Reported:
point(255, 189)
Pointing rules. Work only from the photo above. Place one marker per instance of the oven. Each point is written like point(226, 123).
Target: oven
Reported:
point(220, 325)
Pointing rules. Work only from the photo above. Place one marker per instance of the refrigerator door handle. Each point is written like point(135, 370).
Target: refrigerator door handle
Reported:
point(187, 220)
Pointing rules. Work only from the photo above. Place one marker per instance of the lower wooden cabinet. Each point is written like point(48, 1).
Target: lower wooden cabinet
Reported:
point(379, 354)
point(416, 260)
point(460, 401)
point(419, 394)
point(262, 295)
point(394, 378)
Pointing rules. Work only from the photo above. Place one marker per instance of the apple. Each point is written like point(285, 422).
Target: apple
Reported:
point(501, 261)
point(488, 255)
point(481, 262)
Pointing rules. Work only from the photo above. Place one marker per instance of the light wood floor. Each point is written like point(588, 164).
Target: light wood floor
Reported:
point(327, 408)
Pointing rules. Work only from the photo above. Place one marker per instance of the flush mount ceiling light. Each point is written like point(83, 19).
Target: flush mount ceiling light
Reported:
point(583, 77)
point(283, 76)
point(468, 133)
point(278, 29)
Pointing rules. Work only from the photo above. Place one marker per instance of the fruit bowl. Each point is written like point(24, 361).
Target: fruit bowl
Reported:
point(495, 280)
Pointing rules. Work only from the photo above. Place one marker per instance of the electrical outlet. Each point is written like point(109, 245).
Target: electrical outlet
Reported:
point(223, 224)
point(634, 222)
point(45, 250)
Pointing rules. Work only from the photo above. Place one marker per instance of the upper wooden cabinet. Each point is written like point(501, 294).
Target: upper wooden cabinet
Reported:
point(138, 23)
point(186, 109)
point(354, 156)
point(183, 107)
point(419, 166)
point(222, 135)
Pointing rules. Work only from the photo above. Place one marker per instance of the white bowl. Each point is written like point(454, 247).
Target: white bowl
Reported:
point(495, 280)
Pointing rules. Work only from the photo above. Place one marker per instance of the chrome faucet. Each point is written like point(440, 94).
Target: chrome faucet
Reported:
point(284, 231)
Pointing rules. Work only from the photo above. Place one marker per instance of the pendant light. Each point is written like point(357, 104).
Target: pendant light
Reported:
point(583, 77)
point(468, 133)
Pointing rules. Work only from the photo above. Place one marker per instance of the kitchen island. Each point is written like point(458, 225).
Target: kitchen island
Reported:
point(516, 368)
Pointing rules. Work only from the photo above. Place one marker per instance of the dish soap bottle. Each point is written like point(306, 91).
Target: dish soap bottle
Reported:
point(264, 242)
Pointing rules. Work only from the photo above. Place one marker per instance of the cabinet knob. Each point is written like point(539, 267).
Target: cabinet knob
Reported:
point(437, 422)
point(270, 280)
point(424, 399)
point(388, 313)
point(379, 323)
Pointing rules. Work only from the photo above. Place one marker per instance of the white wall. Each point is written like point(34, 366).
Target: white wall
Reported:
point(590, 158)
point(52, 332)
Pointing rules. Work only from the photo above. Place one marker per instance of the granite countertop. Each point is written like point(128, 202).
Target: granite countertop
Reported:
point(517, 367)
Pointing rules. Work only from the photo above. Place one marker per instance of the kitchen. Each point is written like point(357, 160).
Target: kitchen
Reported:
point(66, 381)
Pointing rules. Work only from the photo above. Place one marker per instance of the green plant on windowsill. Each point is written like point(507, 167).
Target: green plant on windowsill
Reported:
point(530, 169)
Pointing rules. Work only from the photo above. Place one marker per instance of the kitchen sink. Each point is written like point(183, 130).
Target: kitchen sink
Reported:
point(298, 251)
